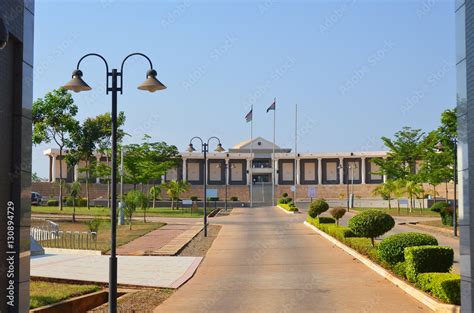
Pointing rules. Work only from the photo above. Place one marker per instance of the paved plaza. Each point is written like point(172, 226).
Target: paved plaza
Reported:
point(264, 260)
point(146, 271)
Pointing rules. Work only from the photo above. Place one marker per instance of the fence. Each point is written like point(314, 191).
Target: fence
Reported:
point(47, 233)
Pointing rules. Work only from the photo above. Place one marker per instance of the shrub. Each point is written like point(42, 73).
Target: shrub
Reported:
point(326, 220)
point(317, 207)
point(81, 202)
point(400, 269)
point(284, 195)
point(213, 198)
point(285, 200)
point(337, 213)
point(391, 249)
point(94, 225)
point(52, 203)
point(292, 207)
point(234, 198)
point(444, 286)
point(194, 198)
point(427, 259)
point(445, 211)
point(371, 224)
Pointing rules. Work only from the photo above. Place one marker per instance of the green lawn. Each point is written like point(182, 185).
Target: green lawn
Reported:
point(436, 224)
point(124, 234)
point(404, 212)
point(100, 211)
point(45, 293)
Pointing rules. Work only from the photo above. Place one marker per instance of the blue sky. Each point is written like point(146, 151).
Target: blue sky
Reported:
point(358, 70)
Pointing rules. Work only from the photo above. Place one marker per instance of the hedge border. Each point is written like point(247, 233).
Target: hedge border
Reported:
point(420, 296)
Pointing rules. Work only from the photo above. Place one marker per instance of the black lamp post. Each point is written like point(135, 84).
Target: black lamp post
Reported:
point(205, 150)
point(151, 84)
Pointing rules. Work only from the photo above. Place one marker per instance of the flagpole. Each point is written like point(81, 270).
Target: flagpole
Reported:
point(251, 159)
point(273, 155)
point(296, 150)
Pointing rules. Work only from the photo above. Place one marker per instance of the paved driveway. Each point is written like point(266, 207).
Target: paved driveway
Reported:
point(264, 260)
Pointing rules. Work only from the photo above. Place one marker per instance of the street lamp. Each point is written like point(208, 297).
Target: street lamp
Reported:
point(77, 84)
point(440, 147)
point(205, 150)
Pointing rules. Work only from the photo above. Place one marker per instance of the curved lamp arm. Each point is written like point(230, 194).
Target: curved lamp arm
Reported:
point(106, 67)
point(123, 62)
point(213, 137)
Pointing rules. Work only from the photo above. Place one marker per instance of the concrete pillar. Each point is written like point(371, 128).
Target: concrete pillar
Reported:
point(341, 171)
point(185, 173)
point(97, 179)
point(53, 170)
point(249, 179)
point(320, 171)
point(227, 171)
point(363, 170)
point(76, 172)
point(275, 164)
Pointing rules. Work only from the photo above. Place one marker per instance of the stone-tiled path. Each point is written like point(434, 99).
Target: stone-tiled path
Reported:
point(152, 242)
point(149, 271)
point(264, 260)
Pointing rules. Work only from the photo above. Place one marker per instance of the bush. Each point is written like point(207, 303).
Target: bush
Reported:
point(317, 207)
point(444, 286)
point(427, 259)
point(292, 207)
point(284, 195)
point(94, 225)
point(400, 269)
point(52, 203)
point(371, 224)
point(234, 198)
point(285, 200)
point(326, 220)
point(391, 249)
point(337, 213)
point(445, 211)
point(194, 198)
point(213, 198)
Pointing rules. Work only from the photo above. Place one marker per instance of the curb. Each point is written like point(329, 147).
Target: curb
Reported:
point(286, 211)
point(430, 302)
point(447, 232)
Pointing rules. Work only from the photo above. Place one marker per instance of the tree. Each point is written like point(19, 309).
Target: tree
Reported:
point(174, 189)
point(35, 178)
point(371, 224)
point(413, 189)
point(155, 193)
point(399, 190)
point(74, 193)
point(385, 191)
point(133, 199)
point(103, 171)
point(54, 120)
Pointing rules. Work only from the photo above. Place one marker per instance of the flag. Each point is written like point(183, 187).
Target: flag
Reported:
point(248, 117)
point(272, 107)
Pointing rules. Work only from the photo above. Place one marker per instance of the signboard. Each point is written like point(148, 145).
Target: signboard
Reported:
point(293, 188)
point(187, 202)
point(211, 193)
point(312, 192)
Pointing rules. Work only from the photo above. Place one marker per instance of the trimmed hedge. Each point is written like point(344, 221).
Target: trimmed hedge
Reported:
point(371, 224)
point(285, 200)
point(317, 207)
point(326, 220)
point(427, 259)
point(289, 207)
point(52, 203)
point(391, 249)
point(234, 198)
point(400, 269)
point(445, 211)
point(444, 286)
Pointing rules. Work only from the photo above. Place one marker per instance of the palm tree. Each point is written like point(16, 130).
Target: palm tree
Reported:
point(155, 193)
point(385, 191)
point(413, 188)
point(174, 189)
point(399, 191)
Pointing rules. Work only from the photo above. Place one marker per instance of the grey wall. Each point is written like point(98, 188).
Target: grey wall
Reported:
point(16, 70)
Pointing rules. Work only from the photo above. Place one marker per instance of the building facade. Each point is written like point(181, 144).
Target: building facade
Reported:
point(16, 77)
point(247, 170)
point(465, 108)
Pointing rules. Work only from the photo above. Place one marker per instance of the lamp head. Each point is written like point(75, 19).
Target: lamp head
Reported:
point(219, 148)
point(439, 146)
point(151, 84)
point(77, 84)
point(191, 148)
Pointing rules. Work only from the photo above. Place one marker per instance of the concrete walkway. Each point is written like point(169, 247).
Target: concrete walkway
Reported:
point(264, 260)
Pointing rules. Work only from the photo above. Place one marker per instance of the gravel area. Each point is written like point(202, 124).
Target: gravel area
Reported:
point(138, 301)
point(200, 244)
